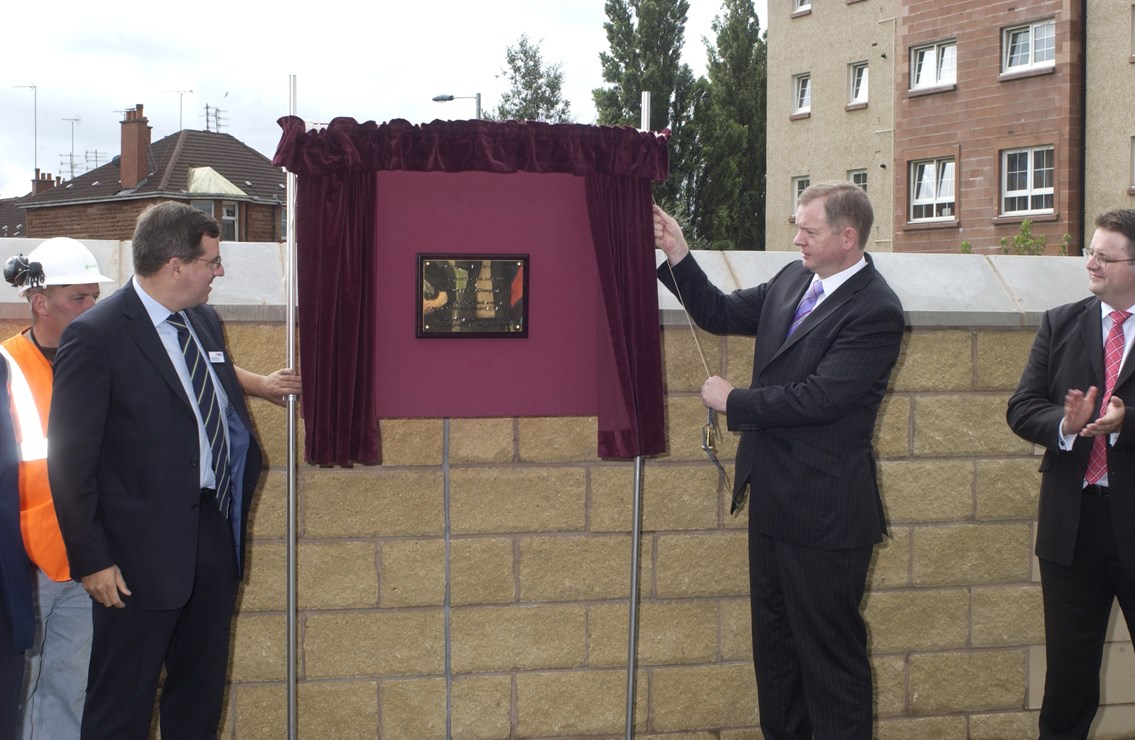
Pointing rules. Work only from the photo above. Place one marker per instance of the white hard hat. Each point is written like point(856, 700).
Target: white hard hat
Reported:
point(65, 261)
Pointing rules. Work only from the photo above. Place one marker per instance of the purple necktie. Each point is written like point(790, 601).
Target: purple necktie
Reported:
point(807, 303)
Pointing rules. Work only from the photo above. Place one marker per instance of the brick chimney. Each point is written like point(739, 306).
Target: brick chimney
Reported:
point(43, 182)
point(134, 163)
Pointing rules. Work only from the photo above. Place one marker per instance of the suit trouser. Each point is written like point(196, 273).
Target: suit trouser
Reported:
point(809, 640)
point(1077, 605)
point(131, 645)
point(11, 677)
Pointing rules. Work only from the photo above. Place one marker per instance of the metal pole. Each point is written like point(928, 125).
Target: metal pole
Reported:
point(632, 637)
point(290, 268)
point(478, 106)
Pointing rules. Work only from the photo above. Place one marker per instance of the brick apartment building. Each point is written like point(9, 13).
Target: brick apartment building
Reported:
point(211, 171)
point(961, 119)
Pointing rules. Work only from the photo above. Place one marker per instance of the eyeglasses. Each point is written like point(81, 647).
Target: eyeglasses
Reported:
point(214, 263)
point(1102, 260)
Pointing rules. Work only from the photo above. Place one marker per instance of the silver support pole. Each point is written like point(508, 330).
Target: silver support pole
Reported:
point(290, 270)
point(632, 637)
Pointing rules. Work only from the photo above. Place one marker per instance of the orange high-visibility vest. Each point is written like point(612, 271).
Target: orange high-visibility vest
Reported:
point(29, 387)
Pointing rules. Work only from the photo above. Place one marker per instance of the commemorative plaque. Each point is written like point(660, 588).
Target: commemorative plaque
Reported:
point(472, 295)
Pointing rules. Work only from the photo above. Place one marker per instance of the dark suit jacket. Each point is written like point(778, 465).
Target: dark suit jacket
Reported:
point(15, 568)
point(1068, 353)
point(808, 418)
point(123, 460)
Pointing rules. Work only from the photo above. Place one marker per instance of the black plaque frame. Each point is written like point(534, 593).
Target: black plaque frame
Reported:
point(486, 295)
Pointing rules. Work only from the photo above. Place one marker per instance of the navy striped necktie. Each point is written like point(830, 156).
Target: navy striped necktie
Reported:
point(210, 407)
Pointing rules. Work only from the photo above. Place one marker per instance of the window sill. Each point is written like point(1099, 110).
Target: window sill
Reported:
point(854, 106)
point(950, 223)
point(800, 116)
point(1025, 74)
point(916, 92)
point(801, 13)
point(1131, 190)
point(1014, 218)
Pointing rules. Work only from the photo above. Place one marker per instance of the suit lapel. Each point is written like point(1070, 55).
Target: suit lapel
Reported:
point(1090, 326)
point(828, 307)
point(142, 331)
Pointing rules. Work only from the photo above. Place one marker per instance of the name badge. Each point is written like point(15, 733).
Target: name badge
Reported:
point(215, 357)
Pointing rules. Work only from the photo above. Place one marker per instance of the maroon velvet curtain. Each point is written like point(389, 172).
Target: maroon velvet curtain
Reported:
point(335, 216)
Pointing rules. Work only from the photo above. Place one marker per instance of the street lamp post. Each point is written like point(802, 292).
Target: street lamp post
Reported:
point(447, 98)
point(35, 124)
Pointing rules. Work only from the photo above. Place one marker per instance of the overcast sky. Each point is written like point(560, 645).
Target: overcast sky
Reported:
point(91, 61)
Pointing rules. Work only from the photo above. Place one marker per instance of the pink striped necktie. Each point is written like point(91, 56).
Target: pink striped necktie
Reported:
point(1113, 357)
point(806, 305)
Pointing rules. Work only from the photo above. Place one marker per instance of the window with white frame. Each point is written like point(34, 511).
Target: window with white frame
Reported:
point(859, 177)
point(205, 206)
point(802, 94)
point(934, 65)
point(1029, 47)
point(799, 185)
point(798, 5)
point(1027, 177)
point(857, 83)
point(932, 189)
point(229, 222)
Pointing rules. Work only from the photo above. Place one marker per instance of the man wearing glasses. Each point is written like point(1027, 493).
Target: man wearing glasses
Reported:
point(1071, 402)
point(153, 465)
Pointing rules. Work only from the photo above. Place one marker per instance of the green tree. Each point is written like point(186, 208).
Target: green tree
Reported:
point(535, 91)
point(728, 200)
point(645, 39)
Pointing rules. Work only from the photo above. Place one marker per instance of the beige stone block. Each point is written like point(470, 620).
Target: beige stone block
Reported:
point(685, 418)
point(517, 637)
point(323, 709)
point(935, 360)
point(482, 440)
point(607, 633)
point(481, 571)
point(570, 703)
point(370, 502)
point(750, 733)
point(682, 366)
point(723, 695)
point(739, 361)
point(413, 709)
point(889, 678)
point(736, 629)
point(1007, 615)
point(927, 490)
point(1008, 489)
point(270, 423)
point(890, 563)
point(942, 683)
point(510, 499)
point(1004, 726)
point(970, 424)
point(702, 565)
point(674, 497)
point(337, 575)
point(922, 728)
point(411, 441)
point(259, 648)
point(413, 573)
point(559, 439)
point(1001, 358)
point(677, 632)
point(482, 707)
point(268, 514)
point(265, 578)
point(925, 619)
point(379, 643)
point(893, 427)
point(972, 554)
point(574, 568)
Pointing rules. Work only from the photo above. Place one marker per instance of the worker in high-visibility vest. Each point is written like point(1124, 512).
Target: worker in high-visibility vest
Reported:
point(60, 278)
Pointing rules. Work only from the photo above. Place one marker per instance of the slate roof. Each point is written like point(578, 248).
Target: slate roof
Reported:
point(12, 217)
point(169, 162)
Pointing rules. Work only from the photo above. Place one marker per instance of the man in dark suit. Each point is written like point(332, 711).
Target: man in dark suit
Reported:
point(17, 609)
point(828, 330)
point(1071, 402)
point(152, 486)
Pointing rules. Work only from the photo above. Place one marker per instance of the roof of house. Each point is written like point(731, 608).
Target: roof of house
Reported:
point(12, 217)
point(170, 161)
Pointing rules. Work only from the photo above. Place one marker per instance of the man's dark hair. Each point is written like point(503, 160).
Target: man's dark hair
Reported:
point(168, 230)
point(1122, 221)
point(846, 205)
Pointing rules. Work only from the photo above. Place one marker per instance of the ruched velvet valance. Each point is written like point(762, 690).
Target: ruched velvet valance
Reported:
point(336, 212)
